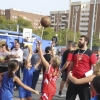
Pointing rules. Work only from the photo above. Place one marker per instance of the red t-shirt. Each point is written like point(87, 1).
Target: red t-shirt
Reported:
point(49, 85)
point(82, 66)
point(69, 58)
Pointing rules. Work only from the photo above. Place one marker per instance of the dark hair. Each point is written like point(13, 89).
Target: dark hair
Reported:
point(36, 51)
point(47, 49)
point(71, 43)
point(12, 65)
point(96, 84)
point(85, 38)
point(5, 46)
point(17, 40)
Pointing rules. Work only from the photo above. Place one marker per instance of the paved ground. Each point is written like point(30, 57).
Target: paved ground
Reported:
point(35, 97)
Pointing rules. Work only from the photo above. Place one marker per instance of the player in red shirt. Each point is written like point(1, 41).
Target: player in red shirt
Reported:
point(51, 74)
point(83, 59)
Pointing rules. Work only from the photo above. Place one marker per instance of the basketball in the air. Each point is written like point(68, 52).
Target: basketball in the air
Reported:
point(45, 21)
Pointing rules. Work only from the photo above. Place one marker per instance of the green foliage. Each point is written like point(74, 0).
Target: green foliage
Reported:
point(62, 35)
point(96, 40)
point(23, 24)
point(12, 25)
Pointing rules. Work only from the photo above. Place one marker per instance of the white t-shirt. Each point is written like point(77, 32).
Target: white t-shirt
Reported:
point(19, 52)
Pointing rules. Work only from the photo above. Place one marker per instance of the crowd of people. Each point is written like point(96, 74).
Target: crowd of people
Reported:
point(78, 67)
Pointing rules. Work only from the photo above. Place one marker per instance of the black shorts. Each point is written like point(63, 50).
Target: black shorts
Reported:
point(64, 76)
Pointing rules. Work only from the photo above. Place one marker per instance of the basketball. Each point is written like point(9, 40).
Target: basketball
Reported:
point(45, 21)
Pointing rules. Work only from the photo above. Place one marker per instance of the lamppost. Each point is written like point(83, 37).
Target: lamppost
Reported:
point(92, 28)
point(76, 10)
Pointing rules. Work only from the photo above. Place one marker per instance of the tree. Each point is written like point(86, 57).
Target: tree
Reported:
point(96, 40)
point(23, 24)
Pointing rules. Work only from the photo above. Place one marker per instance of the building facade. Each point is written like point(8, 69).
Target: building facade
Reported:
point(83, 21)
point(59, 20)
point(13, 14)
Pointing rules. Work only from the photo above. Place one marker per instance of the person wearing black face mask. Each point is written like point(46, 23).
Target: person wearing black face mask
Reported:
point(82, 60)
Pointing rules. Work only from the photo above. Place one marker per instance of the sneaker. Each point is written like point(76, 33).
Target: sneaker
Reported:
point(16, 89)
point(40, 93)
point(60, 95)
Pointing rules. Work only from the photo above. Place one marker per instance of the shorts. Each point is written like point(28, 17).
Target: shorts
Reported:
point(64, 76)
point(24, 93)
point(46, 96)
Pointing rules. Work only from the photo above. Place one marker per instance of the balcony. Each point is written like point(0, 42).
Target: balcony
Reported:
point(64, 20)
point(84, 24)
point(84, 33)
point(84, 14)
point(85, 9)
point(62, 27)
point(84, 19)
point(83, 28)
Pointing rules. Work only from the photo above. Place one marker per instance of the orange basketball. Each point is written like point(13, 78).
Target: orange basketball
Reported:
point(45, 21)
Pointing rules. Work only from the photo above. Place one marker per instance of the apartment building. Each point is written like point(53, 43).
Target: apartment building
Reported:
point(2, 12)
point(13, 14)
point(79, 17)
point(96, 17)
point(83, 21)
point(59, 19)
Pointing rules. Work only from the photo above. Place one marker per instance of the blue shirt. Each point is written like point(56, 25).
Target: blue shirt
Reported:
point(27, 76)
point(95, 98)
point(7, 87)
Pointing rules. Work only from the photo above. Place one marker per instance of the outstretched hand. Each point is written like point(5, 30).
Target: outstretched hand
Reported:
point(53, 44)
point(38, 42)
point(36, 92)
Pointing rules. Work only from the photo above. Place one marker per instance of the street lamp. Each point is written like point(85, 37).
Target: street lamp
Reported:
point(76, 10)
point(92, 28)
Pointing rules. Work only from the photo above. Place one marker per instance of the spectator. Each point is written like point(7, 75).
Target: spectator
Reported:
point(15, 41)
point(34, 60)
point(17, 54)
point(4, 58)
point(64, 66)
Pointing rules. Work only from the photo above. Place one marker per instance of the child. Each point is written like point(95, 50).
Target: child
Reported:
point(27, 78)
point(96, 87)
point(50, 75)
point(9, 79)
point(87, 79)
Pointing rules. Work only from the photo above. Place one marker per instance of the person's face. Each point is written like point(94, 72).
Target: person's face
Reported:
point(15, 41)
point(68, 46)
point(75, 46)
point(3, 48)
point(17, 46)
point(81, 42)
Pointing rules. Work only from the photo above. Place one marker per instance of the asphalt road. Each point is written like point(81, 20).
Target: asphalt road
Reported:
point(38, 87)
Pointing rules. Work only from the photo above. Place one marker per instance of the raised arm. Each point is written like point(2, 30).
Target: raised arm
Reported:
point(37, 64)
point(28, 58)
point(80, 81)
point(52, 49)
point(45, 63)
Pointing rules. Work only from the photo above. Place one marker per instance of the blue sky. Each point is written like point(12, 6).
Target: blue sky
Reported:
point(43, 6)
